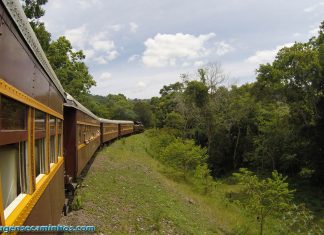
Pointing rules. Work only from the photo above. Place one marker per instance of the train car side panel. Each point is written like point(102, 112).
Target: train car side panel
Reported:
point(126, 129)
point(109, 131)
point(70, 144)
point(88, 139)
point(49, 205)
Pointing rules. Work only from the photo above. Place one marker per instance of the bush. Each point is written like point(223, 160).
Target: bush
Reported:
point(265, 197)
point(204, 180)
point(183, 155)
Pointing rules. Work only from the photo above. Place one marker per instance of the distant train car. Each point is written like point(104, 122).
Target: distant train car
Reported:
point(109, 130)
point(138, 127)
point(31, 126)
point(125, 127)
point(81, 136)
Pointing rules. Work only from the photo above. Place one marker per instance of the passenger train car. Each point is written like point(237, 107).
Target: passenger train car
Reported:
point(46, 136)
point(81, 136)
point(31, 126)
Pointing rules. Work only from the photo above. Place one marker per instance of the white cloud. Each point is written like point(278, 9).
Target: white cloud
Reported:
point(223, 48)
point(112, 55)
point(170, 49)
point(116, 27)
point(85, 4)
point(133, 58)
point(100, 60)
point(104, 48)
point(199, 63)
point(265, 56)
point(296, 34)
point(89, 53)
point(57, 4)
point(103, 45)
point(313, 32)
point(97, 48)
point(104, 59)
point(313, 7)
point(133, 27)
point(141, 84)
point(77, 36)
point(105, 76)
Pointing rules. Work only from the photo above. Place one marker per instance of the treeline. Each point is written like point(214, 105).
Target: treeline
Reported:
point(118, 107)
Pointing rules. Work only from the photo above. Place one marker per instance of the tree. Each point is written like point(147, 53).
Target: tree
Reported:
point(174, 120)
point(212, 76)
point(70, 68)
point(265, 197)
point(144, 113)
point(33, 8)
point(295, 78)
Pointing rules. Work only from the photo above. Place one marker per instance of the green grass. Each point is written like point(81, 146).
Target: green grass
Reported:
point(126, 191)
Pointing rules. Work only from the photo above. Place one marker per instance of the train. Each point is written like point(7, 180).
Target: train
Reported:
point(46, 136)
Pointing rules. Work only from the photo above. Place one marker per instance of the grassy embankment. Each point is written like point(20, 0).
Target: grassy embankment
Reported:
point(127, 191)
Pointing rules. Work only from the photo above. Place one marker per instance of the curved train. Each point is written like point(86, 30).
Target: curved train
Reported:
point(46, 136)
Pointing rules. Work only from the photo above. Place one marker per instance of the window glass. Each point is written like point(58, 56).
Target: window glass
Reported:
point(13, 171)
point(52, 149)
point(52, 125)
point(40, 119)
point(53, 153)
point(59, 137)
point(40, 156)
point(40, 128)
point(13, 114)
point(59, 151)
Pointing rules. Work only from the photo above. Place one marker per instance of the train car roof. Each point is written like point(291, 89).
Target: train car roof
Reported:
point(124, 122)
point(108, 121)
point(71, 102)
point(115, 121)
point(16, 12)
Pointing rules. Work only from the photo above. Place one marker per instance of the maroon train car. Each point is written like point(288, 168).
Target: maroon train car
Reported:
point(125, 127)
point(31, 126)
point(81, 136)
point(109, 130)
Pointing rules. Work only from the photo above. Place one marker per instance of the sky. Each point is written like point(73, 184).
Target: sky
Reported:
point(134, 47)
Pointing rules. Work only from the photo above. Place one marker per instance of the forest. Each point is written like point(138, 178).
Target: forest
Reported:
point(273, 126)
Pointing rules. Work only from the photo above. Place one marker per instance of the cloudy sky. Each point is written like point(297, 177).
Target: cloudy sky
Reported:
point(135, 47)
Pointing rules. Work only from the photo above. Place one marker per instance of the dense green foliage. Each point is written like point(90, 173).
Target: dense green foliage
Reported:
point(268, 201)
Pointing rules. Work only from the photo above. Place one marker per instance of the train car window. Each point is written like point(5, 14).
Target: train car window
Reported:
point(13, 121)
point(59, 136)
point(40, 141)
point(79, 134)
point(13, 165)
point(13, 115)
point(52, 144)
point(13, 149)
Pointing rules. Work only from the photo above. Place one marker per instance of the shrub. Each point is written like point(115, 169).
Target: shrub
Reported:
point(183, 155)
point(265, 197)
point(204, 180)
